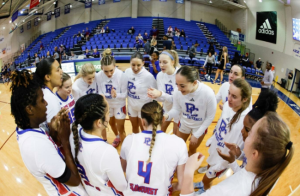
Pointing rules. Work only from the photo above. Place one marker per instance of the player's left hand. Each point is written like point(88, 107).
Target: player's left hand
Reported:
point(153, 93)
point(193, 163)
point(227, 157)
point(193, 140)
point(113, 92)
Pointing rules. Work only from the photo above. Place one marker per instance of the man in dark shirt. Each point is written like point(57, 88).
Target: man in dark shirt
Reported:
point(245, 60)
point(153, 32)
point(193, 51)
point(258, 64)
point(96, 54)
point(131, 31)
point(290, 80)
point(147, 46)
point(167, 44)
point(107, 30)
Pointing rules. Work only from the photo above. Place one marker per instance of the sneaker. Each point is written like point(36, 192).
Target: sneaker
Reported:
point(200, 191)
point(202, 170)
point(198, 185)
point(116, 142)
point(209, 141)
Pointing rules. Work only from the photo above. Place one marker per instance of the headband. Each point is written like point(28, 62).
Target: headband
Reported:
point(166, 53)
point(289, 145)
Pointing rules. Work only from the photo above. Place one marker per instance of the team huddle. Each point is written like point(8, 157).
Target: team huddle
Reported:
point(63, 142)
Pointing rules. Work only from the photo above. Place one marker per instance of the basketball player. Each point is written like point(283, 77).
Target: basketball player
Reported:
point(195, 103)
point(268, 150)
point(112, 83)
point(139, 81)
point(64, 93)
point(169, 63)
point(55, 171)
point(150, 158)
point(49, 75)
point(98, 162)
point(228, 129)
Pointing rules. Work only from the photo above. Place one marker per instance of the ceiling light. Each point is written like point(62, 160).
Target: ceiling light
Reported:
point(3, 27)
point(210, 1)
point(70, 6)
point(23, 20)
point(3, 3)
point(54, 2)
point(244, 1)
point(10, 21)
point(36, 12)
point(39, 19)
point(52, 12)
point(260, 1)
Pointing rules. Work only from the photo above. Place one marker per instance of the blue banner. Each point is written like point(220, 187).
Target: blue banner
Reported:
point(146, 0)
point(14, 16)
point(180, 1)
point(163, 0)
point(241, 37)
point(117, 1)
point(28, 25)
point(36, 21)
point(49, 14)
point(88, 3)
point(101, 2)
point(57, 12)
point(21, 29)
point(67, 9)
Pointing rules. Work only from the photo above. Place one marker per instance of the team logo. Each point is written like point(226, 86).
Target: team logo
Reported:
point(266, 28)
point(91, 90)
point(110, 81)
point(170, 81)
point(222, 129)
point(108, 88)
point(169, 89)
point(130, 87)
point(192, 99)
point(190, 108)
point(147, 141)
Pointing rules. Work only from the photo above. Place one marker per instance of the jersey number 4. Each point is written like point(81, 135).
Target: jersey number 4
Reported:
point(145, 174)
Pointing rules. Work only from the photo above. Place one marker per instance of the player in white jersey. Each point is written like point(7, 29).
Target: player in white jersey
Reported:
point(56, 171)
point(268, 150)
point(228, 129)
point(139, 81)
point(169, 65)
point(49, 75)
point(98, 162)
point(195, 103)
point(267, 101)
point(112, 83)
point(150, 158)
point(64, 93)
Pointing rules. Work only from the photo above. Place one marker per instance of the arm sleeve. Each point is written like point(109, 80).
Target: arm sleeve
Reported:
point(126, 147)
point(210, 115)
point(205, 60)
point(160, 87)
point(175, 111)
point(111, 165)
point(75, 93)
point(152, 81)
point(182, 153)
point(234, 166)
point(124, 83)
point(219, 95)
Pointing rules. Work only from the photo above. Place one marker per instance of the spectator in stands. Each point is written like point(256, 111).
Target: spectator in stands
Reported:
point(258, 64)
point(245, 60)
point(167, 44)
point(87, 34)
point(87, 53)
point(107, 30)
point(209, 63)
point(176, 29)
point(140, 37)
point(153, 45)
point(182, 33)
point(210, 39)
point(36, 59)
point(153, 32)
point(48, 55)
point(138, 43)
point(98, 30)
point(267, 80)
point(56, 55)
point(290, 80)
point(177, 33)
point(193, 51)
point(61, 50)
point(102, 30)
point(173, 47)
point(154, 67)
point(41, 45)
point(211, 48)
point(131, 31)
point(64, 57)
point(96, 54)
point(73, 56)
point(146, 36)
point(170, 31)
point(147, 46)
point(236, 59)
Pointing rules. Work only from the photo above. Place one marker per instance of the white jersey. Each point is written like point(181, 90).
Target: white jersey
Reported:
point(137, 87)
point(45, 162)
point(154, 178)
point(118, 81)
point(223, 94)
point(69, 104)
point(167, 85)
point(223, 134)
point(99, 165)
point(197, 110)
point(81, 88)
point(53, 106)
point(239, 184)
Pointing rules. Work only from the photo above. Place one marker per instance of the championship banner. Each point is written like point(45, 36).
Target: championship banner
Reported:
point(14, 16)
point(57, 12)
point(49, 14)
point(266, 26)
point(28, 25)
point(101, 2)
point(67, 8)
point(146, 0)
point(242, 37)
point(36, 21)
point(163, 0)
point(88, 3)
point(21, 29)
point(33, 3)
point(180, 1)
point(117, 1)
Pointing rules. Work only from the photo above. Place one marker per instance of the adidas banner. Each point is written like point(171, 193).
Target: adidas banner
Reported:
point(57, 12)
point(49, 14)
point(101, 2)
point(266, 26)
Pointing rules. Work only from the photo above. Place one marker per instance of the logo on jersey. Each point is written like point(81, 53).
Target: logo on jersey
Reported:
point(133, 79)
point(170, 81)
point(110, 81)
point(130, 93)
point(220, 134)
point(108, 88)
point(80, 146)
point(192, 99)
point(147, 141)
point(169, 89)
point(190, 108)
point(91, 90)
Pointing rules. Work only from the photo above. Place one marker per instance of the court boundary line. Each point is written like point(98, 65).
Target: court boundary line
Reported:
point(7, 139)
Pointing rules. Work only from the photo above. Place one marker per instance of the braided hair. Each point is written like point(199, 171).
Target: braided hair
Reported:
point(88, 108)
point(24, 92)
point(152, 112)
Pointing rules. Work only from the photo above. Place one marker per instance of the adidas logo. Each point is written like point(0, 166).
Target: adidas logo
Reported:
point(266, 28)
point(170, 81)
point(192, 99)
point(228, 119)
point(110, 81)
point(133, 79)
